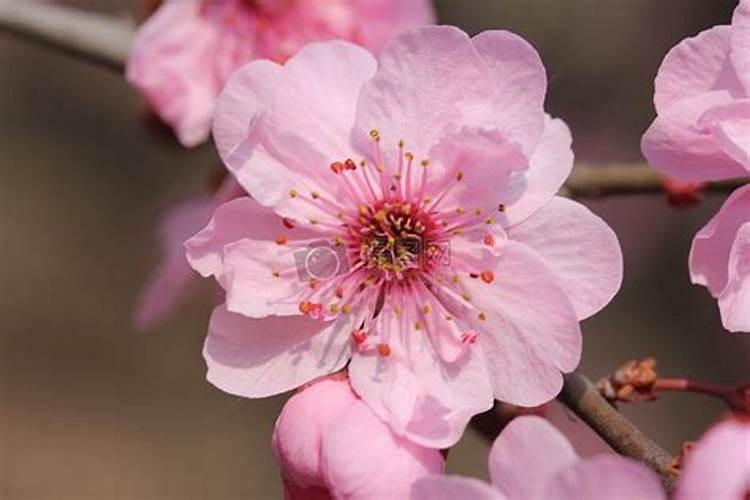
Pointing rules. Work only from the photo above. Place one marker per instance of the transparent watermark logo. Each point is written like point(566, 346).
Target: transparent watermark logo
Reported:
point(322, 260)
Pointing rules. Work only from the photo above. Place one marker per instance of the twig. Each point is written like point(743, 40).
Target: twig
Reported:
point(580, 395)
point(589, 181)
point(99, 39)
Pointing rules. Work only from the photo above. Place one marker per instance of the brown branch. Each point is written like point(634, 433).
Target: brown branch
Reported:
point(580, 395)
point(98, 39)
point(588, 181)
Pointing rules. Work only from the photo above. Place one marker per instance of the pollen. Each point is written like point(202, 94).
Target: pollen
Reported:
point(384, 350)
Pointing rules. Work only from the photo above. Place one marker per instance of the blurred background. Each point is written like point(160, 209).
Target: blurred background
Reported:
point(90, 409)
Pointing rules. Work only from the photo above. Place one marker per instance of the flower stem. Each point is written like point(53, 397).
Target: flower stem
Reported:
point(732, 397)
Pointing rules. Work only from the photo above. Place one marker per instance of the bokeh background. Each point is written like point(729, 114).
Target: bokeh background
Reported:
point(90, 409)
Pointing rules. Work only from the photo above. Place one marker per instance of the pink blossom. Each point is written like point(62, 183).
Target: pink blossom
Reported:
point(447, 271)
point(173, 280)
point(720, 260)
point(718, 466)
point(184, 53)
point(329, 444)
point(702, 131)
point(531, 460)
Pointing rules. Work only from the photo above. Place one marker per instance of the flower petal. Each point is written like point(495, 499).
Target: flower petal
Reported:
point(712, 245)
point(695, 66)
point(531, 332)
point(300, 429)
point(168, 65)
point(731, 126)
point(242, 218)
point(678, 146)
point(526, 455)
point(607, 476)
point(435, 80)
point(549, 166)
point(741, 42)
point(719, 464)
point(421, 398)
point(388, 17)
point(453, 488)
point(256, 358)
point(363, 460)
point(734, 300)
point(579, 248)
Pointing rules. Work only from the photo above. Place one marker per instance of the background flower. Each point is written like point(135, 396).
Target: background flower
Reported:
point(184, 53)
point(531, 460)
point(329, 444)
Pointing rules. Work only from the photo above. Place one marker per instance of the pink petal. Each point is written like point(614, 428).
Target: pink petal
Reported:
point(731, 126)
point(435, 80)
point(719, 464)
point(171, 281)
point(314, 106)
point(712, 245)
point(696, 66)
point(453, 488)
point(257, 358)
point(238, 219)
point(741, 42)
point(527, 455)
point(549, 167)
point(531, 331)
point(299, 430)
point(168, 65)
point(363, 460)
point(678, 146)
point(734, 300)
point(422, 398)
point(579, 248)
point(607, 477)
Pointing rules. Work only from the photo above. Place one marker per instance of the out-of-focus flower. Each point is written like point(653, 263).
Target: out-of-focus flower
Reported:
point(702, 131)
point(414, 230)
point(173, 279)
point(531, 460)
point(718, 466)
point(184, 53)
point(720, 260)
point(330, 445)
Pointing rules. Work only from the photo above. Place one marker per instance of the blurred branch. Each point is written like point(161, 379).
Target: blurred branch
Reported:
point(580, 395)
point(99, 39)
point(588, 181)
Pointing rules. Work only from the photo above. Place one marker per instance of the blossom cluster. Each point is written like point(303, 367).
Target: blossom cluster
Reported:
point(390, 241)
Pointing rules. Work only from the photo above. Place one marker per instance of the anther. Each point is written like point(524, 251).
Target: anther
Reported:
point(459, 175)
point(384, 350)
point(350, 165)
point(281, 239)
point(489, 240)
point(488, 276)
point(293, 193)
point(288, 223)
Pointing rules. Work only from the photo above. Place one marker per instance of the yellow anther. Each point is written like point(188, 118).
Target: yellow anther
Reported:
point(334, 308)
point(482, 316)
point(460, 211)
point(401, 143)
point(425, 309)
point(478, 211)
point(379, 215)
point(409, 156)
point(489, 220)
point(425, 162)
point(315, 195)
point(346, 309)
point(293, 193)
point(466, 297)
point(374, 134)
point(276, 274)
point(417, 325)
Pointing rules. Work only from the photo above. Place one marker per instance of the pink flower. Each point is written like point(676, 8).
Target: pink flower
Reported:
point(428, 250)
point(531, 460)
point(329, 444)
point(720, 260)
point(702, 98)
point(173, 280)
point(184, 53)
point(718, 467)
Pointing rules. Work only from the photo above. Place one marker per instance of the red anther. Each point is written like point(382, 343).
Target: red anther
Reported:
point(339, 292)
point(488, 276)
point(305, 307)
point(281, 239)
point(489, 240)
point(682, 194)
point(288, 223)
point(384, 350)
point(359, 336)
point(350, 165)
point(469, 337)
point(337, 167)
point(311, 309)
point(473, 275)
point(313, 284)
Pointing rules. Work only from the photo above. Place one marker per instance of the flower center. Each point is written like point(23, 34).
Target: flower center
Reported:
point(392, 238)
